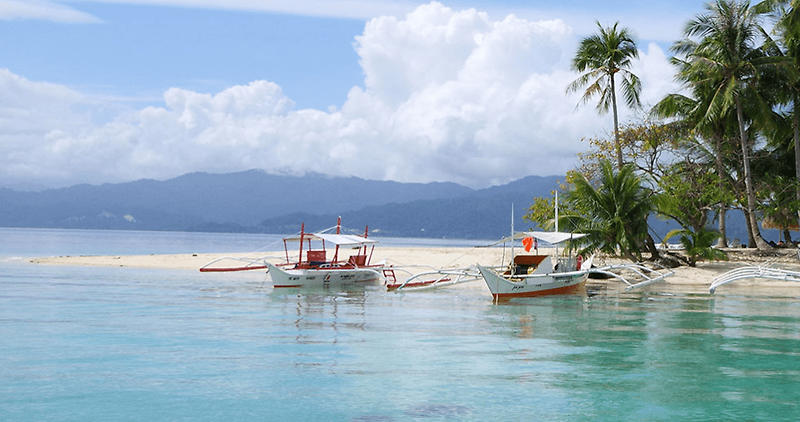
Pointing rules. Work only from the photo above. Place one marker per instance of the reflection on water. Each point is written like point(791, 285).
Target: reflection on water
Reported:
point(665, 357)
point(316, 314)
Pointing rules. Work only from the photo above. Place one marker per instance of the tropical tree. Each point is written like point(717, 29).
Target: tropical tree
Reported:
point(726, 58)
point(651, 148)
point(787, 13)
point(698, 244)
point(613, 214)
point(682, 201)
point(691, 111)
point(774, 168)
point(600, 58)
point(542, 212)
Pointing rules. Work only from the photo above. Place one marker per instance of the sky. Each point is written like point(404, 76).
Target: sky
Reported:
point(468, 91)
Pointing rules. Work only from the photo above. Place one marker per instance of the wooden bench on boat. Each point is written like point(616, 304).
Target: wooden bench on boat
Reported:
point(524, 263)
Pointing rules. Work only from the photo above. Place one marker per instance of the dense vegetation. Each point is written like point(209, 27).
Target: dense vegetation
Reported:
point(729, 140)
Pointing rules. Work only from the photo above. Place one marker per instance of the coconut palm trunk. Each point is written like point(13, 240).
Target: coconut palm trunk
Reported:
point(761, 244)
point(723, 238)
point(796, 136)
point(617, 143)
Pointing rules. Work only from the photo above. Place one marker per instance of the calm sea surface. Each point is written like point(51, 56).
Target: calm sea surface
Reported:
point(123, 344)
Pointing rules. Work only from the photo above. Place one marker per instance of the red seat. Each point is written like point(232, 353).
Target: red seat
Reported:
point(315, 256)
point(357, 260)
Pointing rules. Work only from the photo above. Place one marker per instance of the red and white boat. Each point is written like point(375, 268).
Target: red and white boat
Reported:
point(530, 275)
point(325, 259)
point(315, 269)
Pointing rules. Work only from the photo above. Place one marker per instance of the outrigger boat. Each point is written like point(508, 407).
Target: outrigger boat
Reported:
point(537, 275)
point(312, 268)
point(529, 275)
point(315, 270)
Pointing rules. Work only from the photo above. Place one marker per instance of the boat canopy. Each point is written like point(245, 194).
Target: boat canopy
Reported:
point(346, 240)
point(549, 237)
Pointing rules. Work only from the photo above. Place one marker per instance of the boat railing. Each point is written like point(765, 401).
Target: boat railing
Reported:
point(566, 264)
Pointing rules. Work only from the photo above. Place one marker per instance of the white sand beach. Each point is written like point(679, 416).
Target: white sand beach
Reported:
point(693, 280)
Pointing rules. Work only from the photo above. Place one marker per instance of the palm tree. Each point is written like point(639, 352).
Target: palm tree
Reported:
point(726, 57)
point(697, 244)
point(788, 28)
point(600, 58)
point(692, 111)
point(613, 215)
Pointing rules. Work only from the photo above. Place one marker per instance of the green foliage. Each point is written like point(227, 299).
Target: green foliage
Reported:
point(601, 58)
point(724, 147)
point(725, 64)
point(698, 244)
point(541, 212)
point(725, 61)
point(779, 203)
point(681, 199)
point(649, 146)
point(613, 214)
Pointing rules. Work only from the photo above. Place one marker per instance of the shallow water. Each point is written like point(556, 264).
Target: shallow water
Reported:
point(137, 344)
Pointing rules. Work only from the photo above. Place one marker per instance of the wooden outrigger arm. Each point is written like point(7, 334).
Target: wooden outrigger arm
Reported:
point(753, 272)
point(435, 278)
point(252, 264)
point(641, 272)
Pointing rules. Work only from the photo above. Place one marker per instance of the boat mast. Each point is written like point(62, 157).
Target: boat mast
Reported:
point(338, 231)
point(302, 233)
point(512, 235)
point(556, 245)
point(366, 235)
point(556, 211)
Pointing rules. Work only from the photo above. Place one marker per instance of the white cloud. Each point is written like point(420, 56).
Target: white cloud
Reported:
point(362, 9)
point(52, 10)
point(658, 78)
point(449, 96)
point(43, 10)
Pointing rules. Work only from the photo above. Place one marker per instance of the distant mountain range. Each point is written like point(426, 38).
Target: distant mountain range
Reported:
point(257, 202)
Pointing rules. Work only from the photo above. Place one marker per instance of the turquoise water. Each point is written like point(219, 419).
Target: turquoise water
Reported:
point(103, 344)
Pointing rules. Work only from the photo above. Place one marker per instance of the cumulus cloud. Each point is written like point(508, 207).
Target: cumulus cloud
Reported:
point(448, 96)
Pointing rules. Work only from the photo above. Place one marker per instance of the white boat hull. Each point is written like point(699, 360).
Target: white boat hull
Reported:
point(323, 278)
point(534, 284)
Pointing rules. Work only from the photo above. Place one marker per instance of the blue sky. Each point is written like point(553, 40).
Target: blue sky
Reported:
point(93, 83)
point(141, 51)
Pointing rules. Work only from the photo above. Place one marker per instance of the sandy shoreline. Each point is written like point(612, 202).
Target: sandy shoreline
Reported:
point(435, 257)
point(685, 280)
